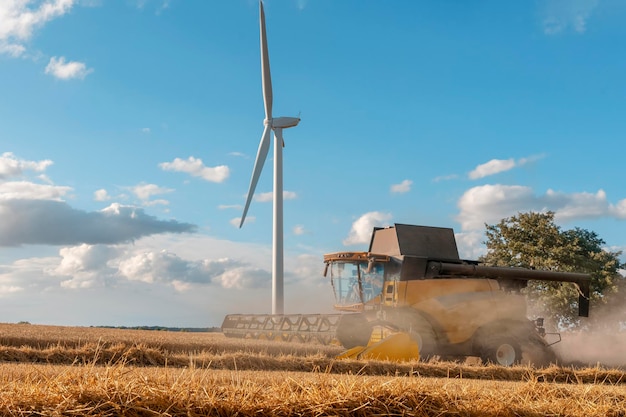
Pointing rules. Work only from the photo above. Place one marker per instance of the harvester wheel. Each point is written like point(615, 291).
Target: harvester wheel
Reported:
point(353, 330)
point(503, 351)
point(425, 337)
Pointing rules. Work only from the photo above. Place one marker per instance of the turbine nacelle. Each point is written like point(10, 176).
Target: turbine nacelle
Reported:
point(282, 122)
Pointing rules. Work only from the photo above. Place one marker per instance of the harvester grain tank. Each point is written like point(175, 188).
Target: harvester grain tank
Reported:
point(410, 295)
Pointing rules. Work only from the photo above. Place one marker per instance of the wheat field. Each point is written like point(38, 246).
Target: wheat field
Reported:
point(51, 370)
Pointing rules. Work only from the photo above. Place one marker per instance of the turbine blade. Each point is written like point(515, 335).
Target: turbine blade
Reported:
point(279, 137)
point(261, 155)
point(265, 67)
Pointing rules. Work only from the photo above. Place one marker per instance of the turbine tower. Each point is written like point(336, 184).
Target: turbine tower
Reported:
point(277, 124)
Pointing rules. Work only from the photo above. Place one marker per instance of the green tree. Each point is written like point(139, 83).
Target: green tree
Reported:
point(532, 240)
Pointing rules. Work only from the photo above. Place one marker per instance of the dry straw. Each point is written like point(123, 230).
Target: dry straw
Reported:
point(84, 371)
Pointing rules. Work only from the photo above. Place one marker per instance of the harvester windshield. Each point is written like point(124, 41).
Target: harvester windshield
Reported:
point(357, 278)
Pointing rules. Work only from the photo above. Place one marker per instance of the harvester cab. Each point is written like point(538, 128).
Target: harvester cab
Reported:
point(412, 296)
point(357, 279)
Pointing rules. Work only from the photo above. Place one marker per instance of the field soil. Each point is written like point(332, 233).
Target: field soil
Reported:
point(53, 370)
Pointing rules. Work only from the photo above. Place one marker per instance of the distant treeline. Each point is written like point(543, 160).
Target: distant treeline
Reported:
point(165, 329)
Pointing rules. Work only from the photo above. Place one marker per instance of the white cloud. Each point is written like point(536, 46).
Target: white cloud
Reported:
point(160, 5)
point(239, 154)
point(85, 266)
point(403, 187)
point(145, 130)
point(584, 205)
point(619, 210)
point(230, 206)
point(237, 220)
point(167, 267)
point(10, 166)
point(298, 230)
point(18, 21)
point(60, 69)
point(13, 50)
point(492, 167)
point(21, 190)
point(563, 15)
point(361, 231)
point(122, 294)
point(195, 167)
point(158, 202)
point(269, 196)
point(470, 244)
point(101, 195)
point(495, 166)
point(244, 277)
point(9, 289)
point(146, 191)
point(491, 203)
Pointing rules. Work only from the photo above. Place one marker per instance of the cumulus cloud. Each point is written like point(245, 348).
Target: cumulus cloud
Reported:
point(361, 231)
point(491, 203)
point(470, 244)
point(584, 205)
point(167, 267)
point(563, 15)
point(11, 166)
point(58, 68)
point(495, 166)
point(85, 266)
point(18, 20)
point(298, 230)
point(269, 196)
point(49, 222)
point(403, 187)
point(145, 191)
point(101, 195)
point(195, 167)
point(25, 190)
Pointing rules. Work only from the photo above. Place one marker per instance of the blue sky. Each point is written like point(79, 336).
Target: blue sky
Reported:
point(128, 132)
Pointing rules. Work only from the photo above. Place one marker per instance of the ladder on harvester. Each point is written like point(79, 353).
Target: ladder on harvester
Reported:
point(305, 328)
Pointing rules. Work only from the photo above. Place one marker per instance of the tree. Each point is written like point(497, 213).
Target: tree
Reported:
point(532, 240)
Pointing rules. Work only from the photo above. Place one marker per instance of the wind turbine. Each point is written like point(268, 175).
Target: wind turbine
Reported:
point(277, 124)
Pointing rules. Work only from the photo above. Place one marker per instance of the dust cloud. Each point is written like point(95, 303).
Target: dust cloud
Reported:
point(602, 343)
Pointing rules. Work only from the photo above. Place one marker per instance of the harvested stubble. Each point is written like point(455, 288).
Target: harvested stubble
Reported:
point(111, 372)
point(127, 390)
point(75, 345)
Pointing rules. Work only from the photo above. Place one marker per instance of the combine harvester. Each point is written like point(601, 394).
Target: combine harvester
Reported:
point(410, 296)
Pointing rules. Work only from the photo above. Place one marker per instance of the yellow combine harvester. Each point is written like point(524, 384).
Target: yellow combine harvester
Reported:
point(410, 296)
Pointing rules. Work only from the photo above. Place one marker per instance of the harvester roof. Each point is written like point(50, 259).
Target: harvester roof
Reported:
point(417, 241)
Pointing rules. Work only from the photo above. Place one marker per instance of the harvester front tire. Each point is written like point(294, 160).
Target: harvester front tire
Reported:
point(503, 351)
point(353, 330)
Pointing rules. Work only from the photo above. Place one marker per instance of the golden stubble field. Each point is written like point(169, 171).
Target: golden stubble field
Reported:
point(50, 370)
